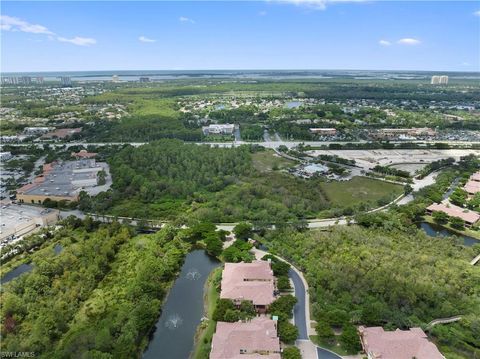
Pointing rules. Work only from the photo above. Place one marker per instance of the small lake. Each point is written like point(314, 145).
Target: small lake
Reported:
point(14, 273)
point(435, 230)
point(183, 310)
point(294, 104)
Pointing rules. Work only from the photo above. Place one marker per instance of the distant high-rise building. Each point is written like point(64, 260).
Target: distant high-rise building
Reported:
point(115, 78)
point(39, 80)
point(439, 80)
point(144, 79)
point(66, 80)
point(25, 80)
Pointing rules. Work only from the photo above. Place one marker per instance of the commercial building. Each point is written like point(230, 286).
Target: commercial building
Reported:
point(144, 79)
point(324, 131)
point(406, 133)
point(249, 281)
point(63, 181)
point(83, 154)
point(33, 131)
point(398, 344)
point(219, 129)
point(469, 217)
point(61, 133)
point(243, 340)
point(19, 220)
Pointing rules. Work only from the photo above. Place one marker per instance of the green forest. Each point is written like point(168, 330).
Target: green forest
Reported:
point(98, 298)
point(395, 278)
point(169, 179)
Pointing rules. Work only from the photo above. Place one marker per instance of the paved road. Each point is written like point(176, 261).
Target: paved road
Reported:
point(299, 309)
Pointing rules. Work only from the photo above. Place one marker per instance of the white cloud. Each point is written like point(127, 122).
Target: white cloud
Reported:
point(10, 23)
point(262, 13)
point(477, 13)
point(408, 41)
point(384, 42)
point(77, 40)
point(145, 39)
point(186, 19)
point(315, 4)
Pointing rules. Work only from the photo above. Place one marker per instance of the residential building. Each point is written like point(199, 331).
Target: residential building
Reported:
point(398, 344)
point(115, 78)
point(324, 131)
point(219, 129)
point(66, 80)
point(243, 340)
point(5, 156)
point(144, 79)
point(439, 80)
point(472, 186)
point(249, 281)
point(469, 217)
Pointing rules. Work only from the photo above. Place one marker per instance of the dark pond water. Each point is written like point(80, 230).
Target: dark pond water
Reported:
point(434, 230)
point(14, 273)
point(183, 310)
point(58, 248)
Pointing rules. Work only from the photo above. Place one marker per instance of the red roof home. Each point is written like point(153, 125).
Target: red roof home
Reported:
point(398, 344)
point(470, 217)
point(248, 281)
point(256, 339)
point(475, 176)
point(472, 187)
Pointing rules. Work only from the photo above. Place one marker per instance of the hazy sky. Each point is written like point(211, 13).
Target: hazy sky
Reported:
point(294, 34)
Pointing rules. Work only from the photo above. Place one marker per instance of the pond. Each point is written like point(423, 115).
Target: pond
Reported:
point(14, 273)
point(293, 104)
point(183, 310)
point(434, 230)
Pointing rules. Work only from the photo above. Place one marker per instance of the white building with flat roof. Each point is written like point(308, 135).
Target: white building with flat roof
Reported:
point(219, 129)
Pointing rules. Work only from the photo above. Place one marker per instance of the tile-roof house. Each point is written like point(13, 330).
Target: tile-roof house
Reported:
point(469, 217)
point(255, 339)
point(398, 344)
point(249, 281)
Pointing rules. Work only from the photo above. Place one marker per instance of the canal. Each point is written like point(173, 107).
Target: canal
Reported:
point(435, 230)
point(183, 311)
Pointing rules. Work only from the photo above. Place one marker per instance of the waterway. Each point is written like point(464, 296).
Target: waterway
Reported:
point(14, 273)
point(435, 230)
point(183, 310)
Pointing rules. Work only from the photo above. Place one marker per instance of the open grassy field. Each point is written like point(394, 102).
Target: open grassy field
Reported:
point(266, 161)
point(359, 189)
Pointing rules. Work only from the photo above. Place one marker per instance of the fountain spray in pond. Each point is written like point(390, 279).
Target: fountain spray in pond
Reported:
point(173, 321)
point(193, 274)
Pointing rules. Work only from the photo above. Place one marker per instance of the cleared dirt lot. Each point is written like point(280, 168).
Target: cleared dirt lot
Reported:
point(370, 158)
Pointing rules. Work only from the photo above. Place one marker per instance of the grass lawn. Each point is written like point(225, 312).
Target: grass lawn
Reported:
point(203, 337)
point(334, 346)
point(359, 189)
point(268, 160)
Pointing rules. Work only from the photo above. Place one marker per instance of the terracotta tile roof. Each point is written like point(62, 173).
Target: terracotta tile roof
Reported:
point(84, 154)
point(475, 176)
point(455, 211)
point(472, 187)
point(256, 339)
point(248, 281)
point(398, 344)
